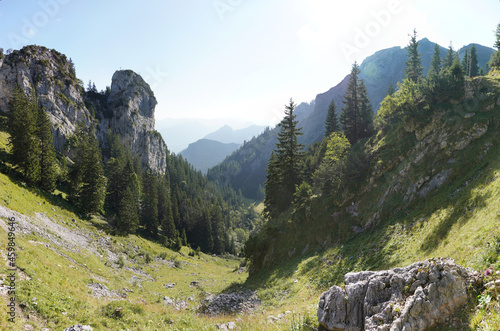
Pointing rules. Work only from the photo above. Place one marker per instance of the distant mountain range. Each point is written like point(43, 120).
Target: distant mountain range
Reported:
point(227, 135)
point(216, 146)
point(178, 133)
point(245, 169)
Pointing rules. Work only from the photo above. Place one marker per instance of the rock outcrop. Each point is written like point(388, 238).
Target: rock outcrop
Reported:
point(132, 104)
point(230, 303)
point(412, 298)
point(127, 109)
point(52, 76)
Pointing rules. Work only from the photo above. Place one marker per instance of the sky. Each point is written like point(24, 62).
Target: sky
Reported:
point(236, 59)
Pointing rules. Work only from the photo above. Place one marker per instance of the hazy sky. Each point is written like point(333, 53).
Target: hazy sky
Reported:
point(236, 58)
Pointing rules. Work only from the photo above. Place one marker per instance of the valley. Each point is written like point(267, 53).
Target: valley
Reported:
point(118, 233)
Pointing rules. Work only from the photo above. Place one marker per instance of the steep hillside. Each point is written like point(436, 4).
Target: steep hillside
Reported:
point(379, 70)
point(206, 153)
point(431, 188)
point(246, 168)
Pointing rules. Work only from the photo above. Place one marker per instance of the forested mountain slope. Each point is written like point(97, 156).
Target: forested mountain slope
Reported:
point(378, 71)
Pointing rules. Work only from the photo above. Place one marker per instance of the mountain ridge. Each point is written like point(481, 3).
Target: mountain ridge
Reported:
point(205, 153)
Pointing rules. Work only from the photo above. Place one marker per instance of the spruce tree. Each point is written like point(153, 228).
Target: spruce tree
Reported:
point(349, 117)
point(365, 112)
point(273, 197)
point(127, 213)
point(331, 122)
point(149, 203)
point(284, 169)
point(474, 67)
point(356, 115)
point(497, 38)
point(23, 130)
point(449, 58)
point(414, 70)
point(218, 231)
point(165, 214)
point(435, 67)
point(48, 174)
point(88, 184)
point(465, 62)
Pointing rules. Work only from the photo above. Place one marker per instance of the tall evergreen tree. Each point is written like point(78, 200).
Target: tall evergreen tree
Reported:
point(218, 231)
point(497, 38)
point(414, 70)
point(284, 168)
point(165, 214)
point(149, 203)
point(127, 213)
point(273, 197)
point(466, 63)
point(24, 141)
point(365, 111)
point(331, 122)
point(449, 58)
point(48, 174)
point(88, 184)
point(474, 67)
point(356, 115)
point(435, 67)
point(349, 117)
point(289, 151)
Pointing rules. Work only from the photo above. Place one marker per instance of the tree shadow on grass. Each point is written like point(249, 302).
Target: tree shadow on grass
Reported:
point(468, 203)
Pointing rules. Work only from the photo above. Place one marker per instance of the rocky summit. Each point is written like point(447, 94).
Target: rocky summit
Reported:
point(411, 298)
point(127, 108)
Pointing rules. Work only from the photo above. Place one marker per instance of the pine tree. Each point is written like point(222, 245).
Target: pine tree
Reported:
point(435, 67)
point(48, 174)
point(366, 112)
point(414, 70)
point(331, 122)
point(349, 117)
point(289, 151)
point(88, 184)
point(474, 67)
point(165, 215)
point(149, 203)
point(23, 129)
point(356, 115)
point(127, 213)
point(465, 62)
point(218, 231)
point(449, 58)
point(284, 170)
point(497, 38)
point(273, 197)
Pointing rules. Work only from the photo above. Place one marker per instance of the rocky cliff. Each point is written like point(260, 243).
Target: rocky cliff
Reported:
point(127, 109)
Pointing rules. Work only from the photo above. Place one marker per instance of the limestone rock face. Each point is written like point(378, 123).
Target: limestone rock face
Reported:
point(411, 298)
point(129, 108)
point(132, 104)
point(52, 76)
